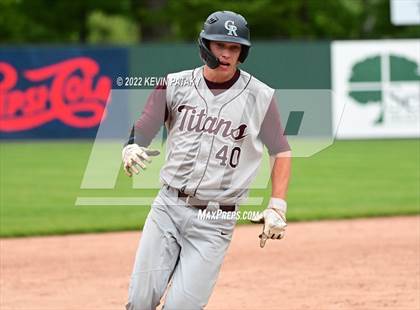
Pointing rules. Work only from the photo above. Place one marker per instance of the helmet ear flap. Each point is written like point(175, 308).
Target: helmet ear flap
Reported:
point(244, 53)
point(206, 55)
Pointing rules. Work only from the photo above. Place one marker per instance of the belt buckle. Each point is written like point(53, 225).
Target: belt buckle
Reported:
point(187, 200)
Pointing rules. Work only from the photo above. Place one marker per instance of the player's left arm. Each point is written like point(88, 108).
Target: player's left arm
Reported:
point(281, 164)
point(274, 216)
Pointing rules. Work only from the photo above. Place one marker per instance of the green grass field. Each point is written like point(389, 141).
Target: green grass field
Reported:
point(40, 182)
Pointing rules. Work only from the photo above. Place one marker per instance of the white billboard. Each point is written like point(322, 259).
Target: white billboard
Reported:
point(405, 12)
point(376, 88)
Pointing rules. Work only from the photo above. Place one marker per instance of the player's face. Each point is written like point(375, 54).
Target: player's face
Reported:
point(228, 54)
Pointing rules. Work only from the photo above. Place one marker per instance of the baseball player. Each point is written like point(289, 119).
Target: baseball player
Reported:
point(218, 120)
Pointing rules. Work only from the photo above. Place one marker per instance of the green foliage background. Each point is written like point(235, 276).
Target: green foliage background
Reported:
point(133, 21)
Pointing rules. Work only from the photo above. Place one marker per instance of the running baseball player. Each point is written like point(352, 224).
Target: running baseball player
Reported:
point(218, 120)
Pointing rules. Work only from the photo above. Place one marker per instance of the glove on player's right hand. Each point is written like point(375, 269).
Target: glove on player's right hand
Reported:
point(134, 155)
point(274, 220)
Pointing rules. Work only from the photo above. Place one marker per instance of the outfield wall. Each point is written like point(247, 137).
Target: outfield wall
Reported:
point(61, 91)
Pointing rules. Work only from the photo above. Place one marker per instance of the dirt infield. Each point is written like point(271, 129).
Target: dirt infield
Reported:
point(354, 264)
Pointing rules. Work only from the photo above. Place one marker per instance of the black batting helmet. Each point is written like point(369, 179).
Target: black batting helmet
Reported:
point(225, 26)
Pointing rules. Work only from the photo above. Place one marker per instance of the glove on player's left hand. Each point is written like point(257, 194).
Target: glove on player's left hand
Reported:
point(274, 220)
point(134, 155)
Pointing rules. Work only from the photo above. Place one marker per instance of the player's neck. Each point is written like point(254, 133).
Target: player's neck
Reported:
point(216, 76)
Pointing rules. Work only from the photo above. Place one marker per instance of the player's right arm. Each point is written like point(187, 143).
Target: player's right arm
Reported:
point(136, 154)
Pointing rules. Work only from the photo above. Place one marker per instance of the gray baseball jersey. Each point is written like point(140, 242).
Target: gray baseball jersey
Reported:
point(213, 148)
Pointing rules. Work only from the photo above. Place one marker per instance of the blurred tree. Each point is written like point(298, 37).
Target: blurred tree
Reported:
point(44, 21)
point(12, 22)
point(181, 20)
point(151, 17)
point(297, 19)
point(105, 28)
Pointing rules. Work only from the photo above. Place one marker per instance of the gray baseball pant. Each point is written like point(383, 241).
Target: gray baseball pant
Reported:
point(176, 244)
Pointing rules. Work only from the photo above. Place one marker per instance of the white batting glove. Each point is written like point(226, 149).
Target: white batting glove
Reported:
point(134, 155)
point(274, 220)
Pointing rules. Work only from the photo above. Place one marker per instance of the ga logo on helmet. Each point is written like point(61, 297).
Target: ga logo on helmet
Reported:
point(230, 26)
